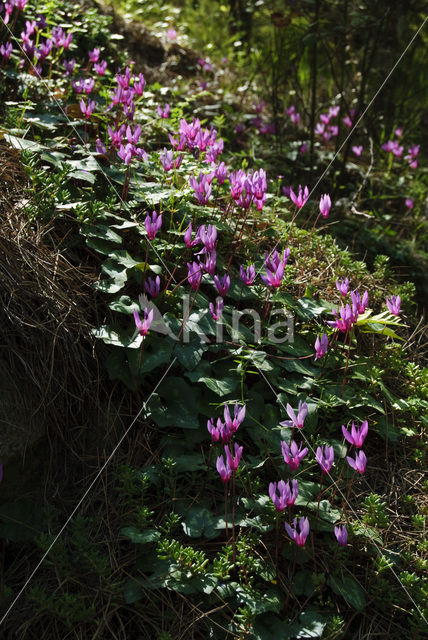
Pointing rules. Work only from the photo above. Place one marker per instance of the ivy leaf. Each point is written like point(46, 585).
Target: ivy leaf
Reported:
point(140, 537)
point(313, 623)
point(132, 591)
point(347, 587)
point(199, 521)
point(222, 387)
point(260, 602)
point(308, 308)
point(180, 409)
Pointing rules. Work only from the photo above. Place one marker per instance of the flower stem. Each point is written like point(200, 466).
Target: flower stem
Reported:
point(225, 509)
point(347, 361)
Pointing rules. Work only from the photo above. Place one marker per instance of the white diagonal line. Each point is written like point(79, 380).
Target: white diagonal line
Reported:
point(97, 476)
point(356, 125)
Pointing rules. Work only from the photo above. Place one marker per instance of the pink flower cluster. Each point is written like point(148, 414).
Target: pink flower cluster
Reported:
point(346, 316)
point(393, 146)
point(225, 432)
point(323, 128)
point(248, 187)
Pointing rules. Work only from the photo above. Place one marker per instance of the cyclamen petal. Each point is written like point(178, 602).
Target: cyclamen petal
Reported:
point(341, 535)
point(359, 464)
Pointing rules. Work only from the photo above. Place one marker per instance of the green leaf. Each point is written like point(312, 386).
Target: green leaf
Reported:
point(222, 387)
point(124, 304)
point(270, 599)
point(271, 627)
point(303, 583)
point(85, 176)
point(23, 143)
point(347, 587)
point(189, 355)
point(132, 591)
point(361, 529)
point(180, 409)
point(312, 624)
point(199, 521)
point(308, 308)
point(140, 537)
point(117, 338)
point(101, 231)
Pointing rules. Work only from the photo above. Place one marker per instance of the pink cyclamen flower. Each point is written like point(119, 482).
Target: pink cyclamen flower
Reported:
point(325, 458)
point(88, 85)
point(100, 67)
point(344, 319)
point(357, 434)
point(295, 118)
point(299, 538)
point(333, 111)
point(222, 284)
point(293, 455)
point(6, 50)
point(188, 237)
point(233, 461)
point(343, 286)
point(301, 198)
point(238, 417)
point(164, 112)
point(357, 149)
point(341, 535)
point(126, 153)
point(94, 55)
point(133, 136)
point(359, 303)
point(296, 421)
point(409, 203)
point(221, 173)
point(172, 33)
point(68, 66)
point(325, 205)
point(208, 236)
point(347, 120)
point(210, 263)
point(152, 287)
point(202, 187)
point(359, 464)
point(100, 147)
point(321, 346)
point(398, 132)
point(87, 109)
point(215, 431)
point(216, 311)
point(393, 305)
point(167, 159)
point(139, 84)
point(143, 326)
point(287, 497)
point(274, 278)
point(194, 275)
point(224, 470)
point(153, 223)
point(247, 274)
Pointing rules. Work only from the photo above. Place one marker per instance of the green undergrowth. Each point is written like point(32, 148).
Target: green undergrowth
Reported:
point(167, 549)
